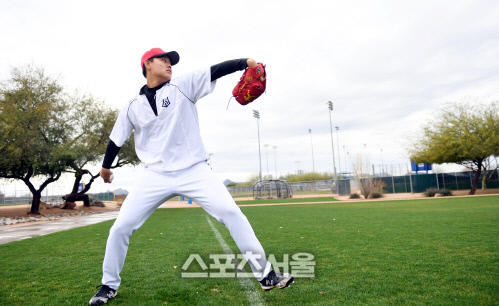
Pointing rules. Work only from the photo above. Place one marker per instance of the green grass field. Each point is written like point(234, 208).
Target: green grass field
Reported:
point(417, 252)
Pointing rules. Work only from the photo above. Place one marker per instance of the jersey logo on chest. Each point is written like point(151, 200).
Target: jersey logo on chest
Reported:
point(166, 102)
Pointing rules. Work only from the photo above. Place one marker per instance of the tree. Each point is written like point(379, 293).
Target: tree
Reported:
point(309, 177)
point(489, 166)
point(45, 132)
point(34, 126)
point(253, 178)
point(461, 133)
point(90, 141)
point(362, 176)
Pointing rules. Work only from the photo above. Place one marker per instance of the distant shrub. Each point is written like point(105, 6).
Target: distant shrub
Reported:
point(376, 195)
point(445, 192)
point(430, 192)
point(95, 202)
point(354, 196)
point(378, 186)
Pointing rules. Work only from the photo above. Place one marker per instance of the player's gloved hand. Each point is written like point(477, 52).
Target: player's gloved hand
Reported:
point(106, 175)
point(252, 63)
point(252, 84)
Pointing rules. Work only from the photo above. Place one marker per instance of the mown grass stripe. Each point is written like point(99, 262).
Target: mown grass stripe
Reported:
point(252, 295)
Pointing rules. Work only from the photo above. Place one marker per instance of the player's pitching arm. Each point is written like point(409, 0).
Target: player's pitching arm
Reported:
point(231, 66)
point(217, 71)
point(111, 153)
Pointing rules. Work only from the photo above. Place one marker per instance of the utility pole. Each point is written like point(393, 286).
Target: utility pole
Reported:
point(338, 145)
point(382, 166)
point(330, 104)
point(346, 158)
point(267, 154)
point(365, 156)
point(275, 161)
point(312, 144)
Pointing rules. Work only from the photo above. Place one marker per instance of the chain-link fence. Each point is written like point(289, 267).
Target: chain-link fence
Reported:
point(241, 190)
point(299, 189)
point(391, 170)
point(13, 194)
point(312, 188)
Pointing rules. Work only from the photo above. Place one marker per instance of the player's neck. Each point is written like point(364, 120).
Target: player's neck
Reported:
point(155, 81)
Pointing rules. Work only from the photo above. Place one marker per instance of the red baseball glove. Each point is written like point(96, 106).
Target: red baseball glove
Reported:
point(251, 85)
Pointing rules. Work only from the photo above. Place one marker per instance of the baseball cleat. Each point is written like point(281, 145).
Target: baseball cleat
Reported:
point(102, 296)
point(276, 279)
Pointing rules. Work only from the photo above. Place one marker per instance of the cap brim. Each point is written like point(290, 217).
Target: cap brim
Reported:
point(172, 55)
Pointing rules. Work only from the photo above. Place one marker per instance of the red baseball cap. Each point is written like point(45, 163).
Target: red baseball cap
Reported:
point(157, 52)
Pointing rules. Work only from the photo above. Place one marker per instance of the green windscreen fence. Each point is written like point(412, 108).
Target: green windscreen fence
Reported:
point(103, 196)
point(452, 181)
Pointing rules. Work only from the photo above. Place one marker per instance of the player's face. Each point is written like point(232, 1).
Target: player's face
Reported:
point(161, 67)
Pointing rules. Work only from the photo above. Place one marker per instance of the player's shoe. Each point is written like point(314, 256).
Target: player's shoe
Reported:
point(102, 296)
point(276, 279)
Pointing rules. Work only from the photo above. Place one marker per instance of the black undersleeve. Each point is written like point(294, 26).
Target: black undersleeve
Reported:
point(111, 153)
point(227, 67)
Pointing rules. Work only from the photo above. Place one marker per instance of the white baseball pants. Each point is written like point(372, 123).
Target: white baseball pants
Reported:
point(198, 183)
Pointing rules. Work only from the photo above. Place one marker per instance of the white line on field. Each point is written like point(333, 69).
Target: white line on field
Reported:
point(252, 295)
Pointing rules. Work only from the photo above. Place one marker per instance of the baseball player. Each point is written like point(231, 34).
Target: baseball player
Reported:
point(163, 116)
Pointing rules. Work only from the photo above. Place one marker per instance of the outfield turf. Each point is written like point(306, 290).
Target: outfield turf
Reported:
point(416, 252)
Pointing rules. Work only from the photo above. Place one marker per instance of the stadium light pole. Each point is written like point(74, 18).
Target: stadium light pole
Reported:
point(267, 154)
point(312, 144)
point(275, 161)
point(346, 158)
point(330, 104)
point(256, 114)
point(338, 145)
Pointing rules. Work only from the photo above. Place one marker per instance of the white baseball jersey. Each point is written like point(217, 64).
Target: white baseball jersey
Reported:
point(171, 140)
